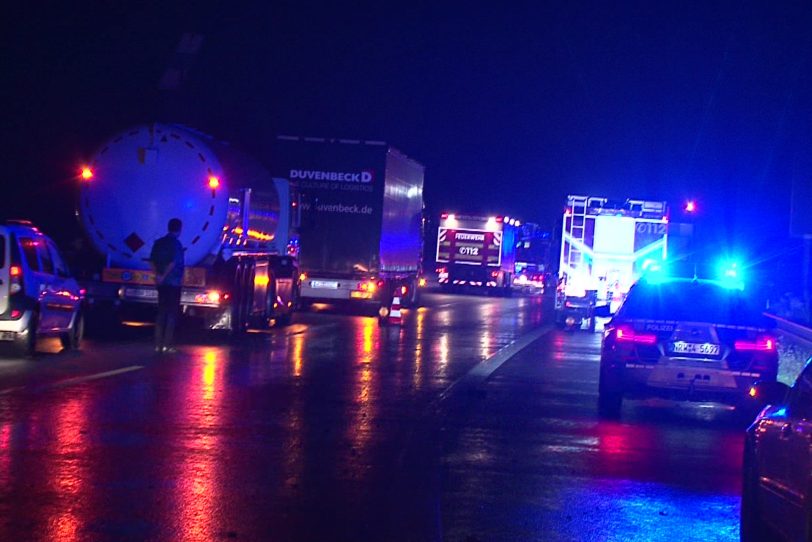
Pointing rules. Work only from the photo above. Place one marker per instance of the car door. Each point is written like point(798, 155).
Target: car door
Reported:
point(65, 287)
point(51, 304)
point(796, 442)
point(34, 280)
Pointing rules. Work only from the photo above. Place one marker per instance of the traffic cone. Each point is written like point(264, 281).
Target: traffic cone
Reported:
point(395, 317)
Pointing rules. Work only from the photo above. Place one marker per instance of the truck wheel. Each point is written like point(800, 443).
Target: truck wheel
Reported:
point(238, 313)
point(270, 298)
point(248, 297)
point(411, 299)
point(72, 339)
point(283, 320)
point(415, 293)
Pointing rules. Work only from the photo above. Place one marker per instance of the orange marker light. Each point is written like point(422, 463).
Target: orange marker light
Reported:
point(87, 173)
point(752, 392)
point(214, 182)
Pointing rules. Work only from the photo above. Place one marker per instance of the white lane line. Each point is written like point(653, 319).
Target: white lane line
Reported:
point(6, 391)
point(480, 372)
point(87, 378)
point(72, 381)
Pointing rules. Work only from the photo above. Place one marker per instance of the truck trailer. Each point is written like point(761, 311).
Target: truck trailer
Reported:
point(361, 231)
point(476, 252)
point(237, 225)
point(606, 245)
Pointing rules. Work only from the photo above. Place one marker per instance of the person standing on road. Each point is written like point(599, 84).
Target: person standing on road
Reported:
point(166, 259)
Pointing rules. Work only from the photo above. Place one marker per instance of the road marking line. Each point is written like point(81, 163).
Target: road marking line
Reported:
point(480, 372)
point(87, 378)
point(11, 390)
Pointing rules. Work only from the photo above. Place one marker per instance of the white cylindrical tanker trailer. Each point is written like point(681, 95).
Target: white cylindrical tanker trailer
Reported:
point(237, 227)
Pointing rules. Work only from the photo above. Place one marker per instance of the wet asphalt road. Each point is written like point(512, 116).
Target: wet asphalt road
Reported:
point(337, 429)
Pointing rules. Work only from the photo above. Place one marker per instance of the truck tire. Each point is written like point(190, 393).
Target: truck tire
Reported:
point(412, 296)
point(248, 297)
point(72, 339)
point(416, 293)
point(239, 304)
point(283, 320)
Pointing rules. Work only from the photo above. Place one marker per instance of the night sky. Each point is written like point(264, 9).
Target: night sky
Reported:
point(510, 107)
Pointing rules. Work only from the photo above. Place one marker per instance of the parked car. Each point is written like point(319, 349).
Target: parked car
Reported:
point(777, 489)
point(686, 339)
point(38, 295)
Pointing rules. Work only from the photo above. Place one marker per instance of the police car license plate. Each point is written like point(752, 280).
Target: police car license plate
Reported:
point(7, 335)
point(328, 284)
point(705, 349)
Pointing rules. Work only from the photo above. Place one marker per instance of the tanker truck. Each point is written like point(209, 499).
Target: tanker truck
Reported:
point(237, 219)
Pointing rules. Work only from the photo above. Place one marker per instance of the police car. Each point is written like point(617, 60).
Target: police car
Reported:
point(688, 339)
point(38, 296)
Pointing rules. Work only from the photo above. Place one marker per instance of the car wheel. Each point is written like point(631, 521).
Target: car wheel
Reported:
point(72, 340)
point(26, 343)
point(610, 401)
point(752, 527)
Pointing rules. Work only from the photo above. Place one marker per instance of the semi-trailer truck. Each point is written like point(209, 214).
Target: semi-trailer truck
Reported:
point(606, 245)
point(361, 231)
point(478, 252)
point(237, 228)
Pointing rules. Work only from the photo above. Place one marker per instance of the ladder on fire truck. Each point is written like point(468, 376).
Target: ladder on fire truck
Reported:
point(574, 258)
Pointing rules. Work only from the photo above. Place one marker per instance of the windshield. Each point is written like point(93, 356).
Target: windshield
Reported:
point(693, 302)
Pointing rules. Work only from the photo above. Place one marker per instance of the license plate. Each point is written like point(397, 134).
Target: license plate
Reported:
point(705, 349)
point(328, 284)
point(7, 335)
point(141, 293)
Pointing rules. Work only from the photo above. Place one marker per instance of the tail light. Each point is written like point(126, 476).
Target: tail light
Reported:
point(627, 334)
point(367, 286)
point(15, 279)
point(212, 297)
point(762, 344)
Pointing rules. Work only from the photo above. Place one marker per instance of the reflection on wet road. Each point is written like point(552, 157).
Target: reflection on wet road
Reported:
point(338, 429)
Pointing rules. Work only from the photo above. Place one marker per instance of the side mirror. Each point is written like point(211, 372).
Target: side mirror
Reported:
point(603, 311)
point(769, 392)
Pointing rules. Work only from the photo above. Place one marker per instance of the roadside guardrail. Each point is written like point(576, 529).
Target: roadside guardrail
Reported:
point(794, 348)
point(796, 331)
